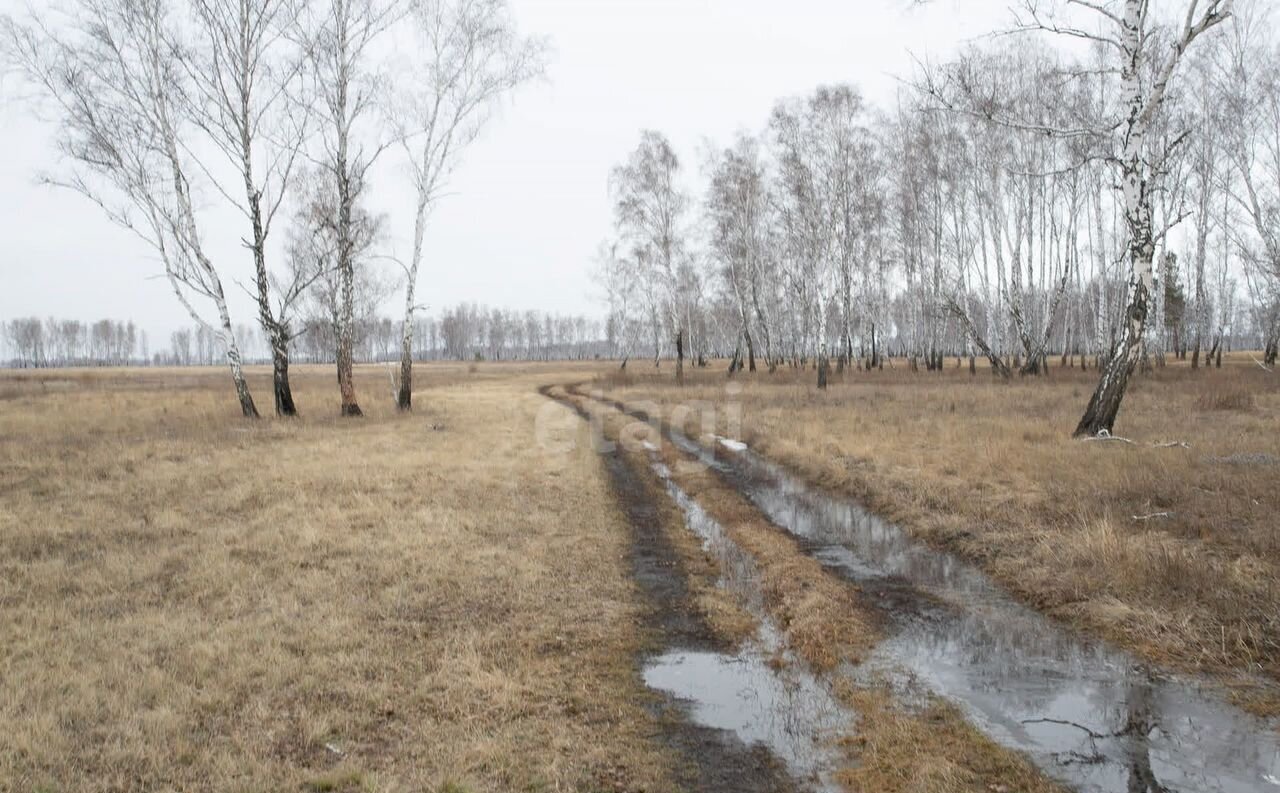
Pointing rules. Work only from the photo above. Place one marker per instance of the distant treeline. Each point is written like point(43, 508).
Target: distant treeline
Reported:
point(32, 342)
point(467, 332)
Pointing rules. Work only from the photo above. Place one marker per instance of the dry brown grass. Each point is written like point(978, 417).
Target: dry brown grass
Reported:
point(1224, 396)
point(988, 469)
point(192, 602)
point(930, 750)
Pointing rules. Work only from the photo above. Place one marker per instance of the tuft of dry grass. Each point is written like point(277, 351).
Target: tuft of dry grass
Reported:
point(1167, 550)
point(1225, 396)
point(190, 601)
point(933, 749)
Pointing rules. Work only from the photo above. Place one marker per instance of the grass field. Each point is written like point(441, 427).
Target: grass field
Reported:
point(1172, 551)
point(448, 601)
point(193, 602)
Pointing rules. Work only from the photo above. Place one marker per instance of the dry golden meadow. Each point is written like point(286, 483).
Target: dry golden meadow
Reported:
point(437, 602)
point(194, 602)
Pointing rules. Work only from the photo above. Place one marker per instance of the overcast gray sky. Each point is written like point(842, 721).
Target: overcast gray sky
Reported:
point(530, 203)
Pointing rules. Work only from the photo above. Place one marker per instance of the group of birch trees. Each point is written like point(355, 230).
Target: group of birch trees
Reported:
point(279, 109)
point(1107, 204)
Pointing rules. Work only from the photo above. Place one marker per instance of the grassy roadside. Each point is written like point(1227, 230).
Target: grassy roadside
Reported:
point(893, 748)
point(1171, 552)
point(195, 602)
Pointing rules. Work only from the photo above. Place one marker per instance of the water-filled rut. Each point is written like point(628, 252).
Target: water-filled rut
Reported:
point(758, 691)
point(1084, 712)
point(717, 759)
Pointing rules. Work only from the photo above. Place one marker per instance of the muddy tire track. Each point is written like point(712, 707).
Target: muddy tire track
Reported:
point(715, 760)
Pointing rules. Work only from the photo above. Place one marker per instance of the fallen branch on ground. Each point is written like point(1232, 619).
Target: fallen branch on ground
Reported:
point(1092, 733)
point(1103, 435)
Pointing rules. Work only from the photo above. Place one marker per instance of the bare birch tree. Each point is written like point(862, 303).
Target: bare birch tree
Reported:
point(246, 68)
point(649, 209)
point(312, 256)
point(1145, 75)
point(804, 222)
point(737, 205)
point(471, 55)
point(1250, 89)
point(1146, 63)
point(829, 209)
point(617, 278)
point(351, 88)
point(111, 77)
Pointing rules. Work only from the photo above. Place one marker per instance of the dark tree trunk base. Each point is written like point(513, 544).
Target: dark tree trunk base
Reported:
point(1104, 405)
point(247, 407)
point(680, 357)
point(280, 384)
point(404, 392)
point(284, 401)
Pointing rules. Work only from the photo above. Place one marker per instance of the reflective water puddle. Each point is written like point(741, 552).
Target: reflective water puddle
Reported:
point(791, 714)
point(759, 693)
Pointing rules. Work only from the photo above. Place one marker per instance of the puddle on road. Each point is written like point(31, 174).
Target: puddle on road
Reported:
point(792, 715)
point(1086, 713)
point(759, 692)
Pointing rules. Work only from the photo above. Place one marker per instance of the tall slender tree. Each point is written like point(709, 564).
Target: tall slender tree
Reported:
point(246, 68)
point(649, 215)
point(352, 89)
point(471, 55)
point(1145, 75)
point(113, 81)
point(738, 206)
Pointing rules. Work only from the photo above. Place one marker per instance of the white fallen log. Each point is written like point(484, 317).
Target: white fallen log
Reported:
point(732, 445)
